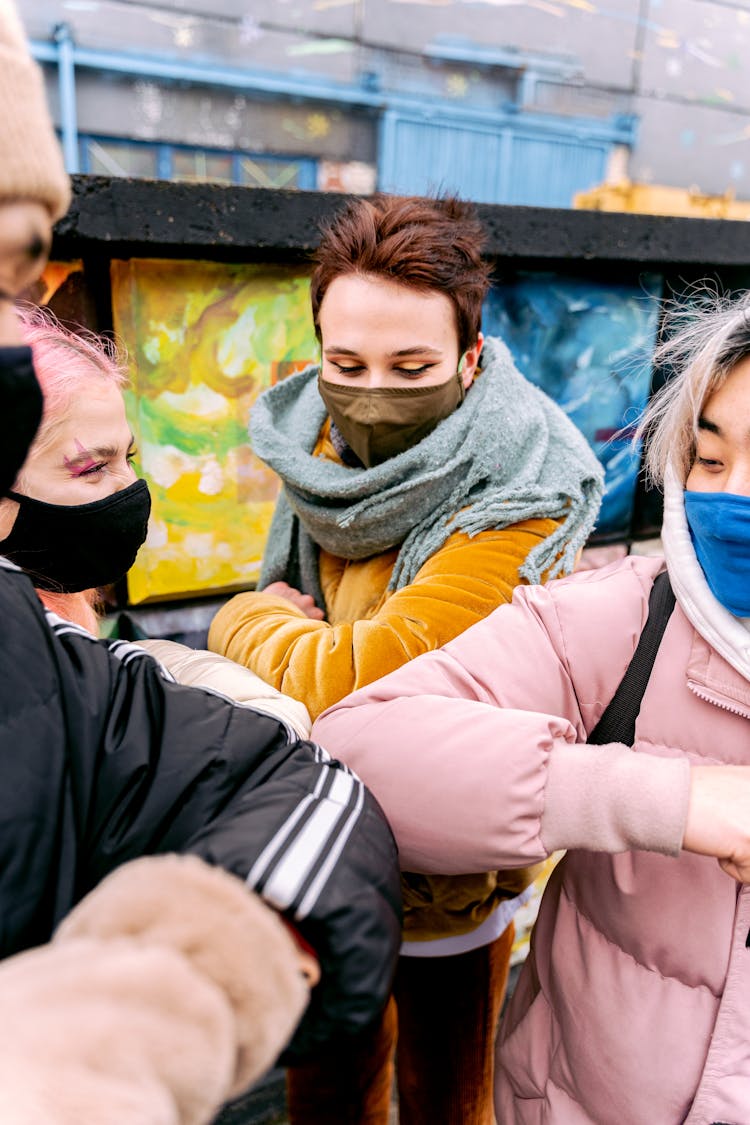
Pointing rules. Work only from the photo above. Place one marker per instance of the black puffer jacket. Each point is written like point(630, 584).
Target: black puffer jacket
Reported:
point(105, 759)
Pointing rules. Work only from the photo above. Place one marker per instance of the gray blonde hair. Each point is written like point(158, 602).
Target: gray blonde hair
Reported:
point(706, 339)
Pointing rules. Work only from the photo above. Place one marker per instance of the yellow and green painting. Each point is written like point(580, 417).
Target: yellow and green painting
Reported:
point(203, 340)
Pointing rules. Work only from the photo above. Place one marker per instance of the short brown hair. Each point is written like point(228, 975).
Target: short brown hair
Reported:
point(425, 243)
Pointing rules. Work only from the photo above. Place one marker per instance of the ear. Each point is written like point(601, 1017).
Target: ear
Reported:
point(471, 361)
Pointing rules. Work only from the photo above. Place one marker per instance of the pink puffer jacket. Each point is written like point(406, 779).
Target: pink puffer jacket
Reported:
point(634, 1005)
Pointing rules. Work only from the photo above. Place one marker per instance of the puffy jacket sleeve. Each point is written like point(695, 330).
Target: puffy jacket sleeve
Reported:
point(200, 668)
point(478, 752)
point(320, 663)
point(134, 764)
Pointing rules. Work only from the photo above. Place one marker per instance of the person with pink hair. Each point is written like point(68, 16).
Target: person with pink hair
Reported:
point(77, 514)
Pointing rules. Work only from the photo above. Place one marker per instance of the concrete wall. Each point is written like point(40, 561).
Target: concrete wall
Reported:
point(680, 65)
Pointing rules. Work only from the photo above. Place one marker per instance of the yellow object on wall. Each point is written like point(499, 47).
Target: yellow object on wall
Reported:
point(656, 199)
point(203, 340)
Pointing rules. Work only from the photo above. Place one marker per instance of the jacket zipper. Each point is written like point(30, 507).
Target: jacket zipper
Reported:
point(741, 711)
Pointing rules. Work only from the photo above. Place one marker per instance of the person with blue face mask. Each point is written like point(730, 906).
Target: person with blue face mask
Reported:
point(717, 492)
point(706, 470)
point(506, 746)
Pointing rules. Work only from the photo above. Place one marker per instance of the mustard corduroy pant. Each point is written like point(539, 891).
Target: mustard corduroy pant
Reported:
point(441, 1022)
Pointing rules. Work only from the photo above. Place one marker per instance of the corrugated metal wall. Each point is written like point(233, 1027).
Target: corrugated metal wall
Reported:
point(509, 164)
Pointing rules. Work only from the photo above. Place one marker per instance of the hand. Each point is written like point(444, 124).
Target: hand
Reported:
point(718, 821)
point(302, 601)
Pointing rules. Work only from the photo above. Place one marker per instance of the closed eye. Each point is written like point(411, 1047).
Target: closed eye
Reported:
point(91, 469)
point(347, 370)
point(414, 371)
point(100, 466)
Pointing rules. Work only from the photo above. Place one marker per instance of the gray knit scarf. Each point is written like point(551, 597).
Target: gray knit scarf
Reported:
point(507, 454)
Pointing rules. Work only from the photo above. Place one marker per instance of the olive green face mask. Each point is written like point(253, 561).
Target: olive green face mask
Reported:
point(381, 422)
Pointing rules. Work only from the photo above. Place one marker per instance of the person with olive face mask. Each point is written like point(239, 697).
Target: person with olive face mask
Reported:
point(423, 479)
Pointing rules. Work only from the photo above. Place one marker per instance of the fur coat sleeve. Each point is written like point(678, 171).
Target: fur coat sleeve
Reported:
point(167, 991)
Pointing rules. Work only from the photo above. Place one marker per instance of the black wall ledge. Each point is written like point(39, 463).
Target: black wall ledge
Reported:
point(148, 218)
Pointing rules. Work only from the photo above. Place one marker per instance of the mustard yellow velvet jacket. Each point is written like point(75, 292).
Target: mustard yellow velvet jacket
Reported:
point(370, 631)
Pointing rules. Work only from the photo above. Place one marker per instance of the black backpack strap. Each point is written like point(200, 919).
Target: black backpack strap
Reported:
point(617, 723)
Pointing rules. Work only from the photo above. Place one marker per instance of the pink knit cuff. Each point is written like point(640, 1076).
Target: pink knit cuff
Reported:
point(610, 799)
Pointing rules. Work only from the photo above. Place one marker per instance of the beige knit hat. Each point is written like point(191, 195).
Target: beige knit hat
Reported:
point(31, 163)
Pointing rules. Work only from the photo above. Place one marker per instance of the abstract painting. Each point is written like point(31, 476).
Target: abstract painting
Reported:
point(589, 346)
point(203, 340)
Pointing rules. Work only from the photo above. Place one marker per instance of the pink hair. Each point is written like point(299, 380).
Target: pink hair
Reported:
point(63, 360)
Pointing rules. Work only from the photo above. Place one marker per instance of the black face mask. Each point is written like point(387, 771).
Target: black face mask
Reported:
point(72, 547)
point(20, 411)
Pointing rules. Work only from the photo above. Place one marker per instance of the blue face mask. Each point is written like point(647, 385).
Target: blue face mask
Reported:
point(719, 525)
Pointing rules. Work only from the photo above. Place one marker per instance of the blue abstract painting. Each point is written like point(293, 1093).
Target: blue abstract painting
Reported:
point(589, 346)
